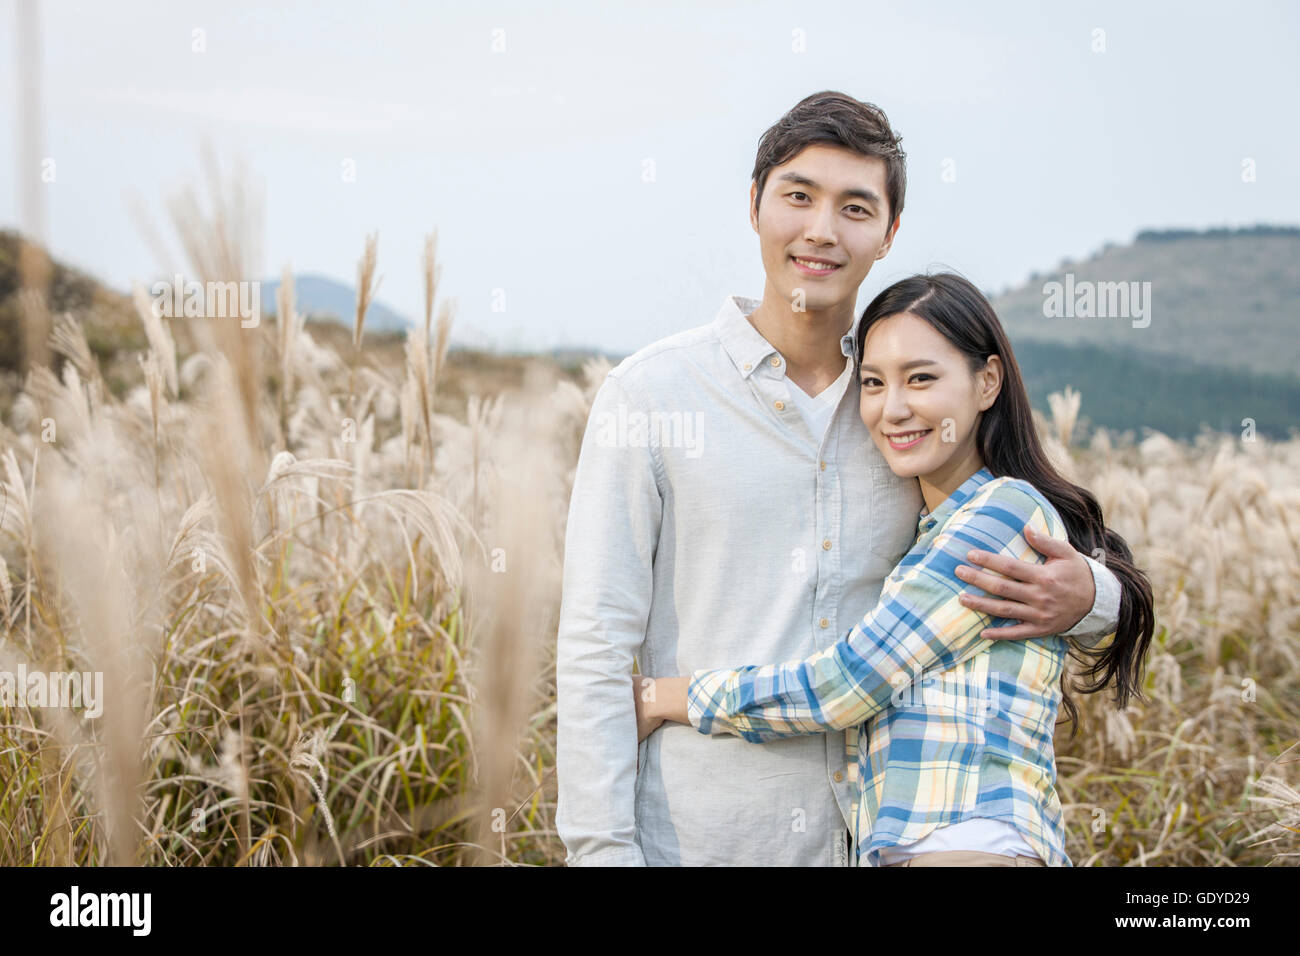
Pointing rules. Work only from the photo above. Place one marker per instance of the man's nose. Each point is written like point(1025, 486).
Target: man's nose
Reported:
point(820, 228)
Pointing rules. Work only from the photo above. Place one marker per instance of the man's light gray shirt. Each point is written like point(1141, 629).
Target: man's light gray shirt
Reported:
point(709, 527)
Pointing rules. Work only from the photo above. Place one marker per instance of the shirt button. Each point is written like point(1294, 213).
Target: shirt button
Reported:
point(748, 366)
point(823, 466)
point(826, 545)
point(779, 405)
point(775, 361)
point(838, 776)
point(824, 622)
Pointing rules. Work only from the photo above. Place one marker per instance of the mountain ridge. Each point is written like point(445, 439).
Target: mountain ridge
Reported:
point(1205, 288)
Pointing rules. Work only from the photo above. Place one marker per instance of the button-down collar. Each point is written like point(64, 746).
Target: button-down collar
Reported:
point(955, 500)
point(742, 341)
point(746, 346)
point(848, 340)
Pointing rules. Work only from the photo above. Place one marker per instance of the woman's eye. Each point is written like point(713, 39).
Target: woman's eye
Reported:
point(875, 382)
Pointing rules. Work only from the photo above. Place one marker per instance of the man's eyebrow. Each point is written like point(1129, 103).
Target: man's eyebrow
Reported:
point(915, 363)
point(866, 195)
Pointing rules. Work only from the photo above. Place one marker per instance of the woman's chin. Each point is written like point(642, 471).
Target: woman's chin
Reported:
point(903, 468)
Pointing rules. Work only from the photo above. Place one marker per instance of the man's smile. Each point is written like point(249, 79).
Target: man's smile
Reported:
point(814, 266)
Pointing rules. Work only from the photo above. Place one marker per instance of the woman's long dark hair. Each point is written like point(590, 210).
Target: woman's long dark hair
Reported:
point(1009, 445)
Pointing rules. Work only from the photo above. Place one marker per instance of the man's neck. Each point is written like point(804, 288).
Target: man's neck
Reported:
point(809, 341)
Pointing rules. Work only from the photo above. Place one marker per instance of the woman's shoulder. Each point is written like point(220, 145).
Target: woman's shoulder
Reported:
point(1018, 502)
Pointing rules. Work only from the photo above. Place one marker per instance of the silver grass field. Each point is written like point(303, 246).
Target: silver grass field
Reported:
point(325, 613)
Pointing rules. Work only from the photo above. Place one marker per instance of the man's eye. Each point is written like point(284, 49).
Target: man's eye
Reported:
point(792, 195)
point(862, 209)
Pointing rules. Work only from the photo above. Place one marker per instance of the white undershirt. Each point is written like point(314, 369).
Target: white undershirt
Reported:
point(817, 409)
point(985, 836)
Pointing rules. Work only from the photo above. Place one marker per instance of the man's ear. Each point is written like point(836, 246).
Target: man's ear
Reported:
point(753, 210)
point(889, 239)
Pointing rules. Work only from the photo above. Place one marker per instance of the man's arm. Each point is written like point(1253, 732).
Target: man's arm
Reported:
point(610, 542)
point(1101, 621)
point(1071, 594)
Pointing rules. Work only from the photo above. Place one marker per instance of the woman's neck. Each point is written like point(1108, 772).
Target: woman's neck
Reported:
point(938, 485)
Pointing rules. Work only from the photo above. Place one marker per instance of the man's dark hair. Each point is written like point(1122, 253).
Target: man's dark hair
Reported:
point(838, 120)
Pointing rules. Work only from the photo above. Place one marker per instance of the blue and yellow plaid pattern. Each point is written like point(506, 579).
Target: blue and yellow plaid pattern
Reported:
point(956, 726)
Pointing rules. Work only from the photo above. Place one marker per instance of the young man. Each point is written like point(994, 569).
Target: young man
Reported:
point(730, 506)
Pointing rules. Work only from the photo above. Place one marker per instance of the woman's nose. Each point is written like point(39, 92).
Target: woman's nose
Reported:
point(896, 407)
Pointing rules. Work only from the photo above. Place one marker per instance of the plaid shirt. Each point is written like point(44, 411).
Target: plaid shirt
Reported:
point(972, 737)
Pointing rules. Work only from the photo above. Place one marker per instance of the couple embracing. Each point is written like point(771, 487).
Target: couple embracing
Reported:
point(850, 599)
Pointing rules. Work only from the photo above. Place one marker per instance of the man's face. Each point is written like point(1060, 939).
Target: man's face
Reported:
point(826, 203)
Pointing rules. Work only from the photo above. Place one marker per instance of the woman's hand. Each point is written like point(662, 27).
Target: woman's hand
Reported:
point(659, 699)
point(643, 693)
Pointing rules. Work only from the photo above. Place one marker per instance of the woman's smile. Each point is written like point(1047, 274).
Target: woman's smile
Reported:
point(901, 441)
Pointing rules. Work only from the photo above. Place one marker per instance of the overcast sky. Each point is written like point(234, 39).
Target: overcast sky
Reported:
point(529, 160)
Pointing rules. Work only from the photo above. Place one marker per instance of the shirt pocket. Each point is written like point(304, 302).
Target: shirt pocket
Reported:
point(891, 535)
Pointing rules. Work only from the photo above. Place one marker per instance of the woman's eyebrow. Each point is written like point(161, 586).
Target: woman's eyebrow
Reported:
point(915, 363)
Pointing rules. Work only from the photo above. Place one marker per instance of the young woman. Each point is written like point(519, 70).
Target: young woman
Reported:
point(955, 761)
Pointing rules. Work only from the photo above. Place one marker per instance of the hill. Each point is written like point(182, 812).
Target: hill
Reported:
point(1127, 390)
point(322, 298)
point(1224, 298)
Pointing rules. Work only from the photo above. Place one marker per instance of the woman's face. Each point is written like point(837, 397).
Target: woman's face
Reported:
point(919, 399)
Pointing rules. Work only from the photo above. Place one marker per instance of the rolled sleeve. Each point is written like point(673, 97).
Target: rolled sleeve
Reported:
point(1101, 621)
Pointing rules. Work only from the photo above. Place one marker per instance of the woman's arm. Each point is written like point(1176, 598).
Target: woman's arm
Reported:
point(918, 626)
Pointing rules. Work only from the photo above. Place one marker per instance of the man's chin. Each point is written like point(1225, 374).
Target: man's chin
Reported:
point(814, 300)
